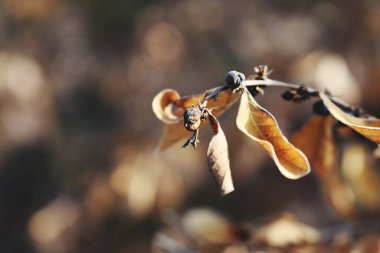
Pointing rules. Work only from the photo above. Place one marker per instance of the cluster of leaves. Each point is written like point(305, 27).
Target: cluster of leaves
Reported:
point(184, 114)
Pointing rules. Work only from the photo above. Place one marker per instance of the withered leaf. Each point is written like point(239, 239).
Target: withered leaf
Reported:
point(369, 128)
point(207, 226)
point(285, 230)
point(260, 125)
point(169, 108)
point(316, 140)
point(218, 159)
point(361, 174)
point(162, 106)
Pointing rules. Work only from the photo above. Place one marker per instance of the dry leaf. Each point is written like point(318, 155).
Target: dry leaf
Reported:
point(218, 159)
point(261, 126)
point(316, 140)
point(286, 230)
point(162, 106)
point(169, 108)
point(361, 174)
point(206, 225)
point(369, 128)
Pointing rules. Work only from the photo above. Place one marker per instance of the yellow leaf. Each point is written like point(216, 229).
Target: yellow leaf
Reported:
point(261, 126)
point(169, 108)
point(218, 159)
point(315, 139)
point(369, 128)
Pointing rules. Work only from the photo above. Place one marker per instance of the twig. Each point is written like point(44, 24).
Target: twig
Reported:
point(274, 83)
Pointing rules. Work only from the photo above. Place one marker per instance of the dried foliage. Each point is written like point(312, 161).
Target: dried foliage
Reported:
point(169, 107)
point(319, 146)
point(258, 124)
point(315, 139)
point(77, 173)
point(218, 159)
point(368, 127)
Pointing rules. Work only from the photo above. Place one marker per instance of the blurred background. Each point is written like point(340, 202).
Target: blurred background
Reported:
point(77, 169)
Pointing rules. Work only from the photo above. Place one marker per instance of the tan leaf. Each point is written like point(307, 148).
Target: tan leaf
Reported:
point(285, 230)
point(162, 106)
point(316, 140)
point(206, 225)
point(369, 128)
point(361, 174)
point(171, 134)
point(218, 159)
point(169, 108)
point(261, 126)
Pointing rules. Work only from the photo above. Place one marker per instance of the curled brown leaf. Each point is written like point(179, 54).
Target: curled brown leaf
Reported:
point(162, 106)
point(218, 159)
point(260, 125)
point(369, 128)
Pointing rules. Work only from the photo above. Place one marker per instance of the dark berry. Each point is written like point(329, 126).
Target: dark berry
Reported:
point(234, 79)
point(288, 95)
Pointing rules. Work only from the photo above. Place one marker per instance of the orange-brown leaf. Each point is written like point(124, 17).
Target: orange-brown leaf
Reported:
point(218, 159)
point(169, 108)
point(162, 106)
point(369, 128)
point(316, 140)
point(261, 126)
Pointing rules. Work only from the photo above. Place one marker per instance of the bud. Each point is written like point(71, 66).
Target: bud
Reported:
point(234, 79)
point(288, 95)
point(192, 118)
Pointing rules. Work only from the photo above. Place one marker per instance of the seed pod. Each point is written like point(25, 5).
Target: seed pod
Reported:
point(192, 118)
point(234, 79)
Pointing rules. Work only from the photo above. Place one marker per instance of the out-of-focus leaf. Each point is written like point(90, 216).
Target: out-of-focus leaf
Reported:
point(286, 230)
point(205, 225)
point(361, 174)
point(368, 244)
point(169, 108)
point(369, 128)
point(315, 139)
point(339, 194)
point(376, 152)
point(261, 126)
point(218, 159)
point(163, 242)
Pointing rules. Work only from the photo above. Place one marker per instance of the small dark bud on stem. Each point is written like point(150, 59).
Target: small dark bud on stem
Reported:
point(234, 79)
point(288, 95)
point(192, 118)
